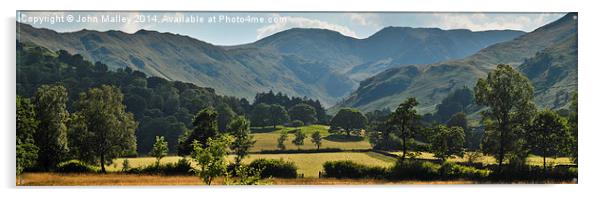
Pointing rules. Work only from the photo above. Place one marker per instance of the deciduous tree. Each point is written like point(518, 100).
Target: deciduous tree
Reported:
point(278, 115)
point(205, 127)
point(160, 149)
point(27, 151)
point(508, 96)
point(299, 138)
point(51, 136)
point(405, 118)
point(303, 112)
point(349, 119)
point(281, 139)
point(447, 141)
point(316, 138)
point(107, 131)
point(239, 128)
point(211, 158)
point(548, 134)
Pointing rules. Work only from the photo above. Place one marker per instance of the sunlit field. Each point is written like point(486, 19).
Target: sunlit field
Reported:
point(266, 139)
point(308, 164)
point(488, 159)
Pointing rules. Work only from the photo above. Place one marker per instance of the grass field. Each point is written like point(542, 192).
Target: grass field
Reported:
point(266, 139)
point(118, 179)
point(308, 164)
point(486, 159)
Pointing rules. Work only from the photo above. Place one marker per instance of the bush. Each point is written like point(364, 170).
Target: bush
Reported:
point(75, 166)
point(450, 170)
point(533, 173)
point(297, 123)
point(182, 167)
point(414, 170)
point(349, 169)
point(275, 168)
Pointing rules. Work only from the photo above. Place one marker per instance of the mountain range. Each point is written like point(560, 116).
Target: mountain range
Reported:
point(315, 63)
point(547, 56)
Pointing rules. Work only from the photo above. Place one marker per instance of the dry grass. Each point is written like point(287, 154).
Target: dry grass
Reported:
point(118, 179)
point(115, 179)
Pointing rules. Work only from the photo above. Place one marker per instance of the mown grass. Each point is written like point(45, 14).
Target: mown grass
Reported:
point(267, 139)
point(308, 164)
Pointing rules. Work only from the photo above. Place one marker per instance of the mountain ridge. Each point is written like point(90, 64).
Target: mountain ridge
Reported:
point(430, 83)
point(316, 63)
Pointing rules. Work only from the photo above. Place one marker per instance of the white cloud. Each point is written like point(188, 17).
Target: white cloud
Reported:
point(365, 19)
point(480, 21)
point(131, 26)
point(301, 22)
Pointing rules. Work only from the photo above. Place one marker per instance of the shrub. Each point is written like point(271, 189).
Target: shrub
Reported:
point(181, 167)
point(450, 170)
point(297, 123)
point(275, 168)
point(414, 170)
point(349, 169)
point(533, 173)
point(75, 166)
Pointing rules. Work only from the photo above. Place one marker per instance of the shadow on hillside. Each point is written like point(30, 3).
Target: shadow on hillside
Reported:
point(343, 138)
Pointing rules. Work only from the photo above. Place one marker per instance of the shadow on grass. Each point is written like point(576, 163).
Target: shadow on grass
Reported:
point(264, 129)
point(343, 138)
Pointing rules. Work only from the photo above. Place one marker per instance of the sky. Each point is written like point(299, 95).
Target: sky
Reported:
point(233, 28)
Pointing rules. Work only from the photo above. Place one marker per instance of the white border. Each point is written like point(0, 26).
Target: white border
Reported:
point(589, 79)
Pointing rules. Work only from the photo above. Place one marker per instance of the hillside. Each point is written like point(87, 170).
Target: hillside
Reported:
point(316, 63)
point(430, 83)
point(553, 73)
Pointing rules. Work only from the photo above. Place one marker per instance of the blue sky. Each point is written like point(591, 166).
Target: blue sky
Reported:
point(249, 28)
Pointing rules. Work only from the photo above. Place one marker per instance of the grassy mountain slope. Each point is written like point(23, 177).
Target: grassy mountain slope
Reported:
point(430, 83)
point(553, 73)
point(316, 63)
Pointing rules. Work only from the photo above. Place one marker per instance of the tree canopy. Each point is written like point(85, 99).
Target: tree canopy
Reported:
point(508, 96)
point(349, 119)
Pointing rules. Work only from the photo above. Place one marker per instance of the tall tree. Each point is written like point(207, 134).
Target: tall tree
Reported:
point(316, 138)
point(160, 149)
point(51, 136)
point(109, 130)
point(349, 119)
point(405, 118)
point(260, 116)
point(278, 115)
point(225, 114)
point(240, 129)
point(299, 138)
point(548, 134)
point(303, 112)
point(447, 141)
point(508, 96)
point(27, 151)
point(205, 127)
